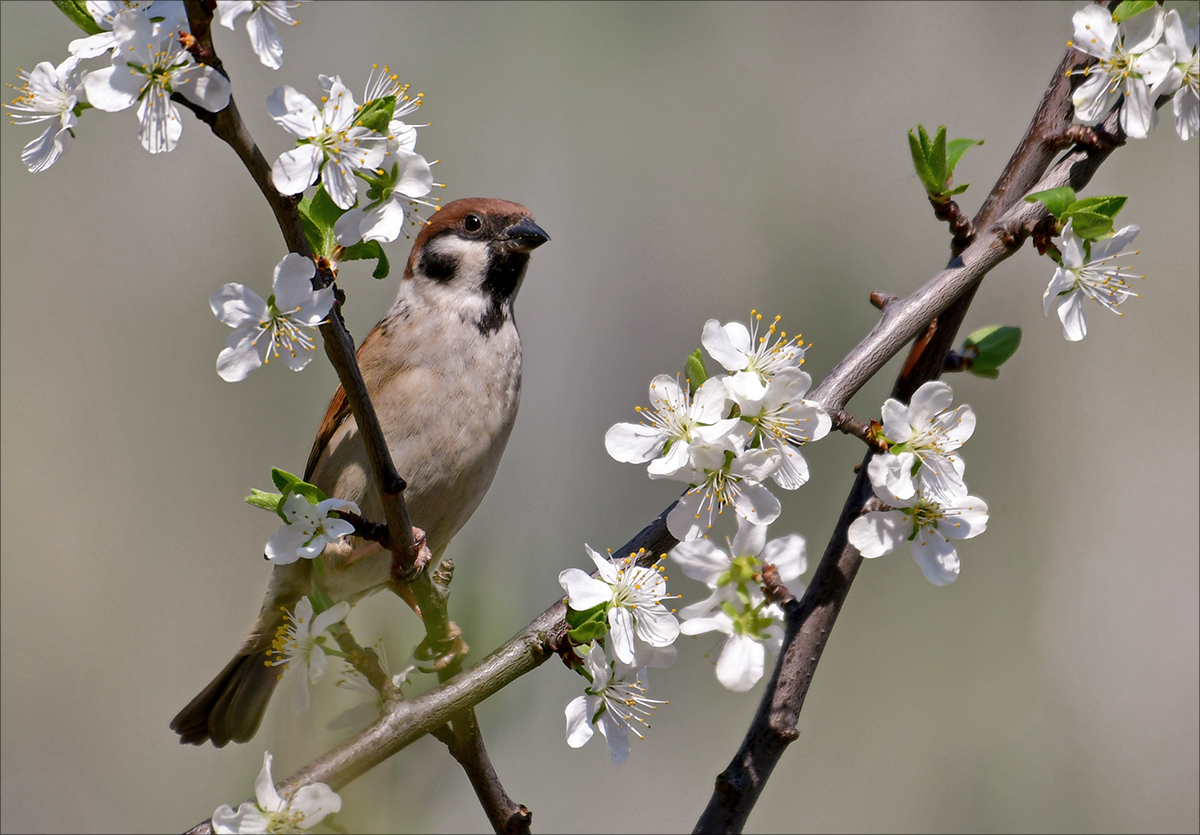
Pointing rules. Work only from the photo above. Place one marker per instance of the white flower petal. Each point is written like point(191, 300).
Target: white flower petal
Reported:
point(656, 626)
point(1072, 316)
point(741, 663)
point(113, 88)
point(315, 801)
point(787, 555)
point(297, 169)
point(583, 591)
point(937, 558)
point(241, 355)
point(878, 532)
point(701, 560)
point(620, 622)
point(264, 788)
point(264, 39)
point(579, 722)
point(202, 85)
point(633, 443)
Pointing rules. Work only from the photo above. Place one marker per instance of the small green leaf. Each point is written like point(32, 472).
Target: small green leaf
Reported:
point(588, 632)
point(957, 190)
point(76, 11)
point(937, 159)
point(1107, 206)
point(1056, 200)
point(990, 348)
point(920, 163)
point(267, 501)
point(1089, 225)
point(376, 114)
point(926, 145)
point(289, 484)
point(589, 624)
point(318, 214)
point(283, 478)
point(955, 150)
point(1132, 8)
point(581, 616)
point(365, 251)
point(320, 600)
point(694, 371)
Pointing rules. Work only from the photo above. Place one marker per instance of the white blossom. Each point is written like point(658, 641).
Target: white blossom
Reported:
point(299, 647)
point(1131, 62)
point(148, 66)
point(309, 529)
point(924, 436)
point(633, 595)
point(264, 37)
point(614, 702)
point(1087, 272)
point(675, 420)
point(330, 146)
point(276, 328)
point(271, 812)
point(49, 94)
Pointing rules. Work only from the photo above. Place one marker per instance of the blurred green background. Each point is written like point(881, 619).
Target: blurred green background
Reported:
point(689, 161)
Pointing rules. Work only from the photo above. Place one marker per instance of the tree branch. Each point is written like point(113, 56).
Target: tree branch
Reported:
point(810, 623)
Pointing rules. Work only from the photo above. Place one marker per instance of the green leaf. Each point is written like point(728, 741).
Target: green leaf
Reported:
point(582, 616)
point(320, 600)
point(990, 348)
point(365, 251)
point(919, 161)
point(955, 150)
point(957, 190)
point(589, 624)
point(694, 371)
point(376, 114)
point(289, 484)
point(283, 478)
point(1056, 200)
point(318, 214)
point(937, 158)
point(926, 145)
point(588, 632)
point(76, 12)
point(1089, 225)
point(267, 501)
point(1131, 8)
point(1107, 206)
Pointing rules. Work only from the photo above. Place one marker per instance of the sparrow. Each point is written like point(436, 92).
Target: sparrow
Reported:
point(443, 369)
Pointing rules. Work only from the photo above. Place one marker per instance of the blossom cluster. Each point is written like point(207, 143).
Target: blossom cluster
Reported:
point(148, 63)
point(1148, 55)
point(148, 46)
point(335, 144)
point(733, 433)
point(920, 478)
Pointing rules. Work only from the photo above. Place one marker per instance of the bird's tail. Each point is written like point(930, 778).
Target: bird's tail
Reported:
point(231, 707)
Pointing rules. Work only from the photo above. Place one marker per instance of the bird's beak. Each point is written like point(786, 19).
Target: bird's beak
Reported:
point(524, 236)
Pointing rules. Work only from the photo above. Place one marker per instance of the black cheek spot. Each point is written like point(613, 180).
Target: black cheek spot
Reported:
point(438, 265)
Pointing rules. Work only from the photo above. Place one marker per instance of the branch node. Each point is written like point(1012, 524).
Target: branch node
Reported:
point(882, 300)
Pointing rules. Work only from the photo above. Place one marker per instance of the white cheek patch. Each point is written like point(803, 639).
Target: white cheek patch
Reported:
point(472, 257)
point(463, 293)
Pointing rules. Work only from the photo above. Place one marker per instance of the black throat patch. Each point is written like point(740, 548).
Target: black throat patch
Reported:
point(503, 279)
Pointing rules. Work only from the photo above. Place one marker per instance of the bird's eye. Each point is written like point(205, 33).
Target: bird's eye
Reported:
point(472, 223)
